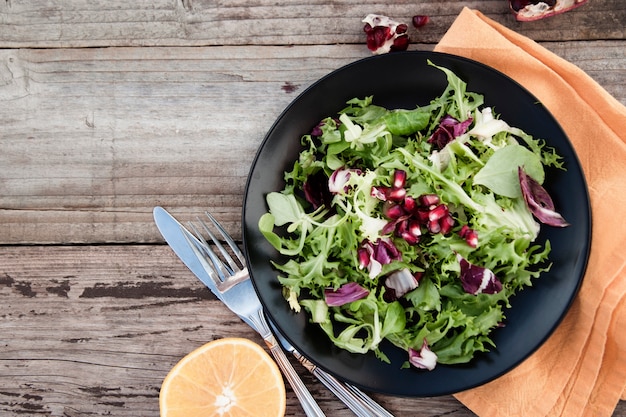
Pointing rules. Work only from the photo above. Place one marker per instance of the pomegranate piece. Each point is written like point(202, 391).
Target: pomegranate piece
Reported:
point(470, 235)
point(529, 10)
point(385, 34)
point(420, 20)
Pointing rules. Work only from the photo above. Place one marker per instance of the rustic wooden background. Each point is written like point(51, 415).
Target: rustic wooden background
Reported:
point(110, 108)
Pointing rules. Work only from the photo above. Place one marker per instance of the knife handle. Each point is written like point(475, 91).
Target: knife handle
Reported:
point(310, 406)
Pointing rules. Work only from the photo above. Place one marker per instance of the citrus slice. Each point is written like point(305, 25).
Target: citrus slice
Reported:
point(227, 377)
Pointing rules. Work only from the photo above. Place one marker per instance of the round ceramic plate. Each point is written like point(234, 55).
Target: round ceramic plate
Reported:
point(404, 80)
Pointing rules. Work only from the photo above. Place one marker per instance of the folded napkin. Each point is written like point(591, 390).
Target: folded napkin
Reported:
point(581, 369)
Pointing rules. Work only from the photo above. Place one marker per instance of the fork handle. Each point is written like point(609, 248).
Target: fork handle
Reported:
point(356, 400)
point(310, 406)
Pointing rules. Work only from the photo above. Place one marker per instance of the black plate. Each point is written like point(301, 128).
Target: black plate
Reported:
point(403, 80)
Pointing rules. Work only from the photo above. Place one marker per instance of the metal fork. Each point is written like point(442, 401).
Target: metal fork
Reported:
point(232, 281)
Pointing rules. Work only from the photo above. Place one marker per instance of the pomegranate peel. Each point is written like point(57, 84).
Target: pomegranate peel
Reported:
point(529, 10)
point(385, 34)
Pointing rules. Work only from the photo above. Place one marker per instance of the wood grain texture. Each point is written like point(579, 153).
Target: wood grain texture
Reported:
point(110, 108)
point(82, 23)
point(93, 138)
point(140, 312)
point(92, 331)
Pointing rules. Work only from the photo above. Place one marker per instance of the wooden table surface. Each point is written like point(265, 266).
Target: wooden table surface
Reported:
point(110, 108)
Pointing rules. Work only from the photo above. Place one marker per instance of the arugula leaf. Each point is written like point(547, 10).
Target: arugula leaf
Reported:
point(500, 172)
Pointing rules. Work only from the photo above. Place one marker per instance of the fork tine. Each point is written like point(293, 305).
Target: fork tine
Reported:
point(228, 239)
point(218, 266)
point(223, 278)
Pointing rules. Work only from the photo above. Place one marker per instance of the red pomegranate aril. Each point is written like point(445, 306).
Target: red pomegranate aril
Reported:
point(410, 239)
point(470, 235)
point(401, 43)
point(446, 223)
point(422, 215)
point(438, 212)
point(380, 193)
point(396, 194)
point(428, 199)
point(434, 226)
point(409, 204)
point(393, 211)
point(364, 257)
point(399, 178)
point(472, 238)
point(420, 20)
point(414, 228)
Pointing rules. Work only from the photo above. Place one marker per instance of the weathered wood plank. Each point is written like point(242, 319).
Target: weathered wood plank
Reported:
point(140, 311)
point(93, 138)
point(82, 23)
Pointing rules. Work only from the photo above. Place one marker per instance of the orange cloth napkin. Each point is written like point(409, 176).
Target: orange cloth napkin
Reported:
point(581, 369)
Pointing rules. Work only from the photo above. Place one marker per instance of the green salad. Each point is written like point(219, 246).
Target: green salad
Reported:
point(415, 226)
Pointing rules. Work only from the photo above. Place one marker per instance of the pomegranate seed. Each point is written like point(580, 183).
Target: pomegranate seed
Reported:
point(438, 212)
point(380, 193)
point(429, 199)
point(410, 239)
point(472, 238)
point(396, 194)
point(470, 235)
point(420, 20)
point(399, 178)
point(434, 226)
point(414, 228)
point(401, 28)
point(409, 203)
point(446, 223)
point(401, 43)
point(422, 215)
point(364, 258)
point(393, 211)
point(405, 231)
point(418, 275)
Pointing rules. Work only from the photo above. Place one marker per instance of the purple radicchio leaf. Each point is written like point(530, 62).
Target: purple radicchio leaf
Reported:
point(449, 128)
point(538, 201)
point(476, 279)
point(399, 283)
point(374, 255)
point(385, 251)
point(423, 358)
point(316, 190)
point(339, 178)
point(317, 130)
point(345, 294)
